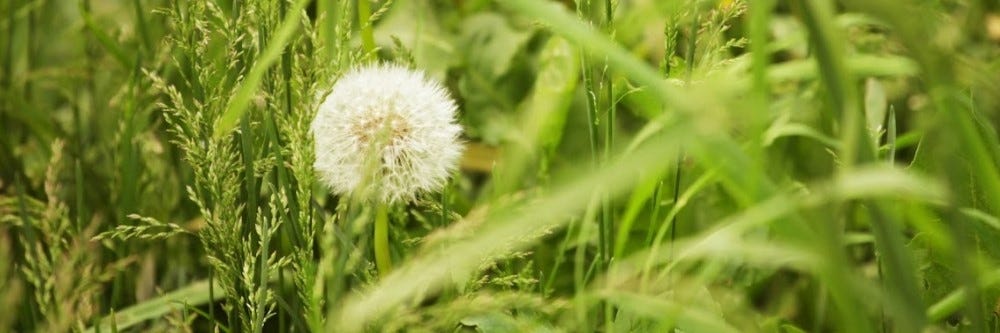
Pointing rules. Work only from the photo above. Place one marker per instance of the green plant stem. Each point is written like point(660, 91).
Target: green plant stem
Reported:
point(383, 261)
point(606, 204)
point(367, 35)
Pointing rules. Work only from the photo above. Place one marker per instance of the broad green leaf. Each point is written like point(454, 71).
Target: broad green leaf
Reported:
point(547, 105)
point(491, 322)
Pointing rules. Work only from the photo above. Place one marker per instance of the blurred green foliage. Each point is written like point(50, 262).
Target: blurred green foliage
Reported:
point(632, 165)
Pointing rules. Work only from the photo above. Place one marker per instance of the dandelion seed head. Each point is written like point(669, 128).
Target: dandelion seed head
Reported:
point(389, 127)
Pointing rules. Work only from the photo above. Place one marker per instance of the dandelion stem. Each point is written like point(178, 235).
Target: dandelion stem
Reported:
point(383, 261)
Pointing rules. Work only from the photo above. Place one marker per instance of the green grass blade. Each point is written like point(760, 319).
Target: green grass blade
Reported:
point(192, 295)
point(245, 90)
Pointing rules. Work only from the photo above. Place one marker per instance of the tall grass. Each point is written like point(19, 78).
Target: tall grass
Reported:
point(630, 166)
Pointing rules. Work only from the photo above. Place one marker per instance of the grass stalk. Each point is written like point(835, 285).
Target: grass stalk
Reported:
point(366, 26)
point(582, 8)
point(689, 61)
point(142, 25)
point(329, 17)
point(891, 136)
point(607, 232)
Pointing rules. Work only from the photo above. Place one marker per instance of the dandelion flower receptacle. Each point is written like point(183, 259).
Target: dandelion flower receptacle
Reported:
point(385, 134)
point(406, 120)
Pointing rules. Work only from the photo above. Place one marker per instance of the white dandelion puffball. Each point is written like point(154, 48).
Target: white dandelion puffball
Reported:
point(389, 126)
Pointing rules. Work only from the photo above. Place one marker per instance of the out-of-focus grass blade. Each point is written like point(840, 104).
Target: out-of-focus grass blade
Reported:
point(839, 81)
point(142, 26)
point(890, 135)
point(192, 295)
point(758, 26)
point(732, 238)
point(780, 130)
point(881, 181)
point(644, 190)
point(106, 41)
point(760, 19)
point(859, 64)
point(899, 272)
point(687, 318)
